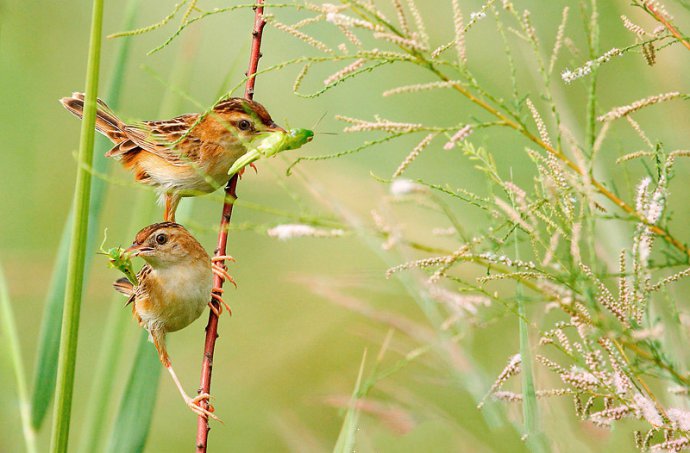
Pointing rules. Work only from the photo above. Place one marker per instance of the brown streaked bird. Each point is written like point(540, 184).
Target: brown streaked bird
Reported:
point(174, 287)
point(187, 155)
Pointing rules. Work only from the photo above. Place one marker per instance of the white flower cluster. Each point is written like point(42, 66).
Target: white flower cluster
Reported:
point(402, 187)
point(570, 75)
point(474, 17)
point(291, 231)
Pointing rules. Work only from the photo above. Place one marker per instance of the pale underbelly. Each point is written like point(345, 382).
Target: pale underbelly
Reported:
point(184, 294)
point(188, 179)
point(173, 313)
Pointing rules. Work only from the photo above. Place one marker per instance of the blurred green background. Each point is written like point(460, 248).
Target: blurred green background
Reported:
point(288, 350)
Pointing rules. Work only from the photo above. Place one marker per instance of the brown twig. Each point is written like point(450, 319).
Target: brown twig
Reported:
point(666, 23)
point(230, 197)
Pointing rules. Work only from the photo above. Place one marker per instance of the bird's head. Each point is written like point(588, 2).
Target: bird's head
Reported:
point(166, 244)
point(242, 120)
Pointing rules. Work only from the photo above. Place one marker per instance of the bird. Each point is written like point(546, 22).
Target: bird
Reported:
point(188, 155)
point(172, 289)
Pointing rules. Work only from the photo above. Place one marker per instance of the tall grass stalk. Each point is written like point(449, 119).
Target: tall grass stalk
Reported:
point(47, 355)
point(75, 267)
point(9, 326)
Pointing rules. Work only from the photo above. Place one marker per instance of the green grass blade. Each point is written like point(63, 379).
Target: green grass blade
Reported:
point(11, 339)
point(135, 414)
point(346, 438)
point(77, 257)
point(118, 320)
point(49, 338)
point(536, 441)
point(535, 438)
point(105, 375)
point(46, 363)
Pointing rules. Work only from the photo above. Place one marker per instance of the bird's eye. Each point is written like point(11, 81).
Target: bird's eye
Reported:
point(161, 239)
point(244, 125)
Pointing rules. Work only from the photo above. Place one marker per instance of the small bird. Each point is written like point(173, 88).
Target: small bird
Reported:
point(172, 290)
point(187, 155)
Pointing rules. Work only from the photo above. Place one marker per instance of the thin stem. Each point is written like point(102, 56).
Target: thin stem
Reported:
point(674, 31)
point(231, 195)
point(75, 268)
point(593, 44)
point(641, 353)
point(9, 326)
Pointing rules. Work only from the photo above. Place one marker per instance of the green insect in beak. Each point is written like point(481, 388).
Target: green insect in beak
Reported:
point(298, 137)
point(271, 144)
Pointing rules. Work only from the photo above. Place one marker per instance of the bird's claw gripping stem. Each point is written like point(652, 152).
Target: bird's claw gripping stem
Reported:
point(215, 294)
point(221, 258)
point(193, 404)
point(222, 273)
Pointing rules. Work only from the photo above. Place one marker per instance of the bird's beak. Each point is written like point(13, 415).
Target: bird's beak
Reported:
point(275, 128)
point(137, 249)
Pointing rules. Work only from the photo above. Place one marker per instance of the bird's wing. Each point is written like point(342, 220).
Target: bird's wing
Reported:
point(140, 290)
point(171, 139)
point(124, 286)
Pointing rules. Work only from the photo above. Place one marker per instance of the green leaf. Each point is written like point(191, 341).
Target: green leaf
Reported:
point(346, 438)
point(134, 416)
point(46, 357)
point(69, 333)
point(49, 337)
point(11, 340)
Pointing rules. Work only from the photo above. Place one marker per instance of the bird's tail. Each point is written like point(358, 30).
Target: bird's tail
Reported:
point(106, 122)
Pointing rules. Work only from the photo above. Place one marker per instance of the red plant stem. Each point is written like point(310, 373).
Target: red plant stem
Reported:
point(660, 17)
point(255, 55)
point(230, 197)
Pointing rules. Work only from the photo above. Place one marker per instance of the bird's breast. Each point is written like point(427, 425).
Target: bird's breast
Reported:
point(180, 296)
point(220, 157)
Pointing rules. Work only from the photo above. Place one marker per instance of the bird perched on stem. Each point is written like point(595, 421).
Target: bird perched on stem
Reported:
point(187, 155)
point(172, 289)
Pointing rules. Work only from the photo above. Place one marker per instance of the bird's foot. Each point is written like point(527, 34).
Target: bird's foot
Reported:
point(216, 295)
point(194, 405)
point(222, 258)
point(241, 171)
point(220, 271)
